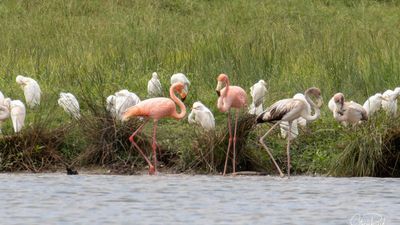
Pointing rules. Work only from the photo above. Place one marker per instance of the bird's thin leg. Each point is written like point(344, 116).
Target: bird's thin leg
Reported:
point(229, 143)
point(234, 142)
point(154, 145)
point(151, 167)
point(288, 148)
point(266, 148)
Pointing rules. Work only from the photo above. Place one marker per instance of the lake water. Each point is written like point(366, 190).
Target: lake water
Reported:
point(185, 199)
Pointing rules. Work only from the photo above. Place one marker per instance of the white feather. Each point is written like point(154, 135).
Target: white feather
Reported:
point(180, 77)
point(31, 89)
point(373, 104)
point(123, 100)
point(390, 105)
point(17, 113)
point(257, 92)
point(201, 115)
point(70, 104)
point(154, 86)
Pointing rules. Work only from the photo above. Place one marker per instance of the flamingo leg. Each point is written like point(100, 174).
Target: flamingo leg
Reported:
point(266, 148)
point(234, 142)
point(154, 145)
point(151, 167)
point(229, 143)
point(288, 148)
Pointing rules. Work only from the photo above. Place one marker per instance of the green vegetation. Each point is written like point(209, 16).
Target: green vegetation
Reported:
point(94, 48)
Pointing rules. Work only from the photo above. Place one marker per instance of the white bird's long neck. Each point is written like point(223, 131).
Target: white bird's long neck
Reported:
point(180, 104)
point(317, 113)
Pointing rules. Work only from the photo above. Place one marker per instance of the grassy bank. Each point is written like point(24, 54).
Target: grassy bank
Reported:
point(94, 48)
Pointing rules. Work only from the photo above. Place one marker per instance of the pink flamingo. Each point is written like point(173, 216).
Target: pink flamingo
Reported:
point(156, 108)
point(230, 97)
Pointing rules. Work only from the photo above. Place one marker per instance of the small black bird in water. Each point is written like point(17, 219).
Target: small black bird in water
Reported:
point(71, 171)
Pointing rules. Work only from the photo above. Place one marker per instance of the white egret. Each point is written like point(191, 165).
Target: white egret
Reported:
point(201, 115)
point(390, 105)
point(257, 92)
point(154, 86)
point(70, 104)
point(17, 113)
point(31, 89)
point(373, 103)
point(180, 77)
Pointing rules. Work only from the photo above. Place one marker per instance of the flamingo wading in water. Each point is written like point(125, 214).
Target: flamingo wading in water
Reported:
point(230, 97)
point(156, 108)
point(289, 110)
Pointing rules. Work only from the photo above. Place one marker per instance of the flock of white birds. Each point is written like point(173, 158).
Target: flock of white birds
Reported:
point(351, 113)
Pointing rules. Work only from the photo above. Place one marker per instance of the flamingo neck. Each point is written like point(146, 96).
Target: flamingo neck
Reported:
point(180, 104)
point(226, 87)
point(314, 106)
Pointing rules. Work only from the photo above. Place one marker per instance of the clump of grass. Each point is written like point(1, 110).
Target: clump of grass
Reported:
point(108, 141)
point(209, 148)
point(370, 149)
point(34, 149)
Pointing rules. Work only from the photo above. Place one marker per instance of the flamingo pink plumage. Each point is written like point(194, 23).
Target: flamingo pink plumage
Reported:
point(156, 108)
point(230, 97)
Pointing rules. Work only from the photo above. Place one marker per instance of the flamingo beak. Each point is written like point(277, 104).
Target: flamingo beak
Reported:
point(183, 95)
point(219, 87)
point(320, 102)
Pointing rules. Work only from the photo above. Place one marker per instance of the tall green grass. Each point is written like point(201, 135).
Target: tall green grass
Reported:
point(94, 48)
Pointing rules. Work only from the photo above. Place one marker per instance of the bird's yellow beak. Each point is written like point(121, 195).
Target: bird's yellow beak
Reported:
point(385, 98)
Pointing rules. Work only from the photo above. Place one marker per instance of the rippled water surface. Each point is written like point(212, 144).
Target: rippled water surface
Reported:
point(183, 199)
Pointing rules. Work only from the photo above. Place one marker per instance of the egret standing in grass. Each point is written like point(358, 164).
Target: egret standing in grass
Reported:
point(110, 105)
point(156, 109)
point(4, 111)
point(373, 103)
point(289, 110)
point(180, 77)
point(31, 89)
point(17, 113)
point(257, 92)
point(70, 104)
point(348, 112)
point(120, 101)
point(201, 115)
point(4, 115)
point(154, 86)
point(230, 97)
point(389, 104)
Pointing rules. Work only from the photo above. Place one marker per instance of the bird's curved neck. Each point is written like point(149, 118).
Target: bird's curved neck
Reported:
point(178, 102)
point(314, 106)
point(226, 86)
